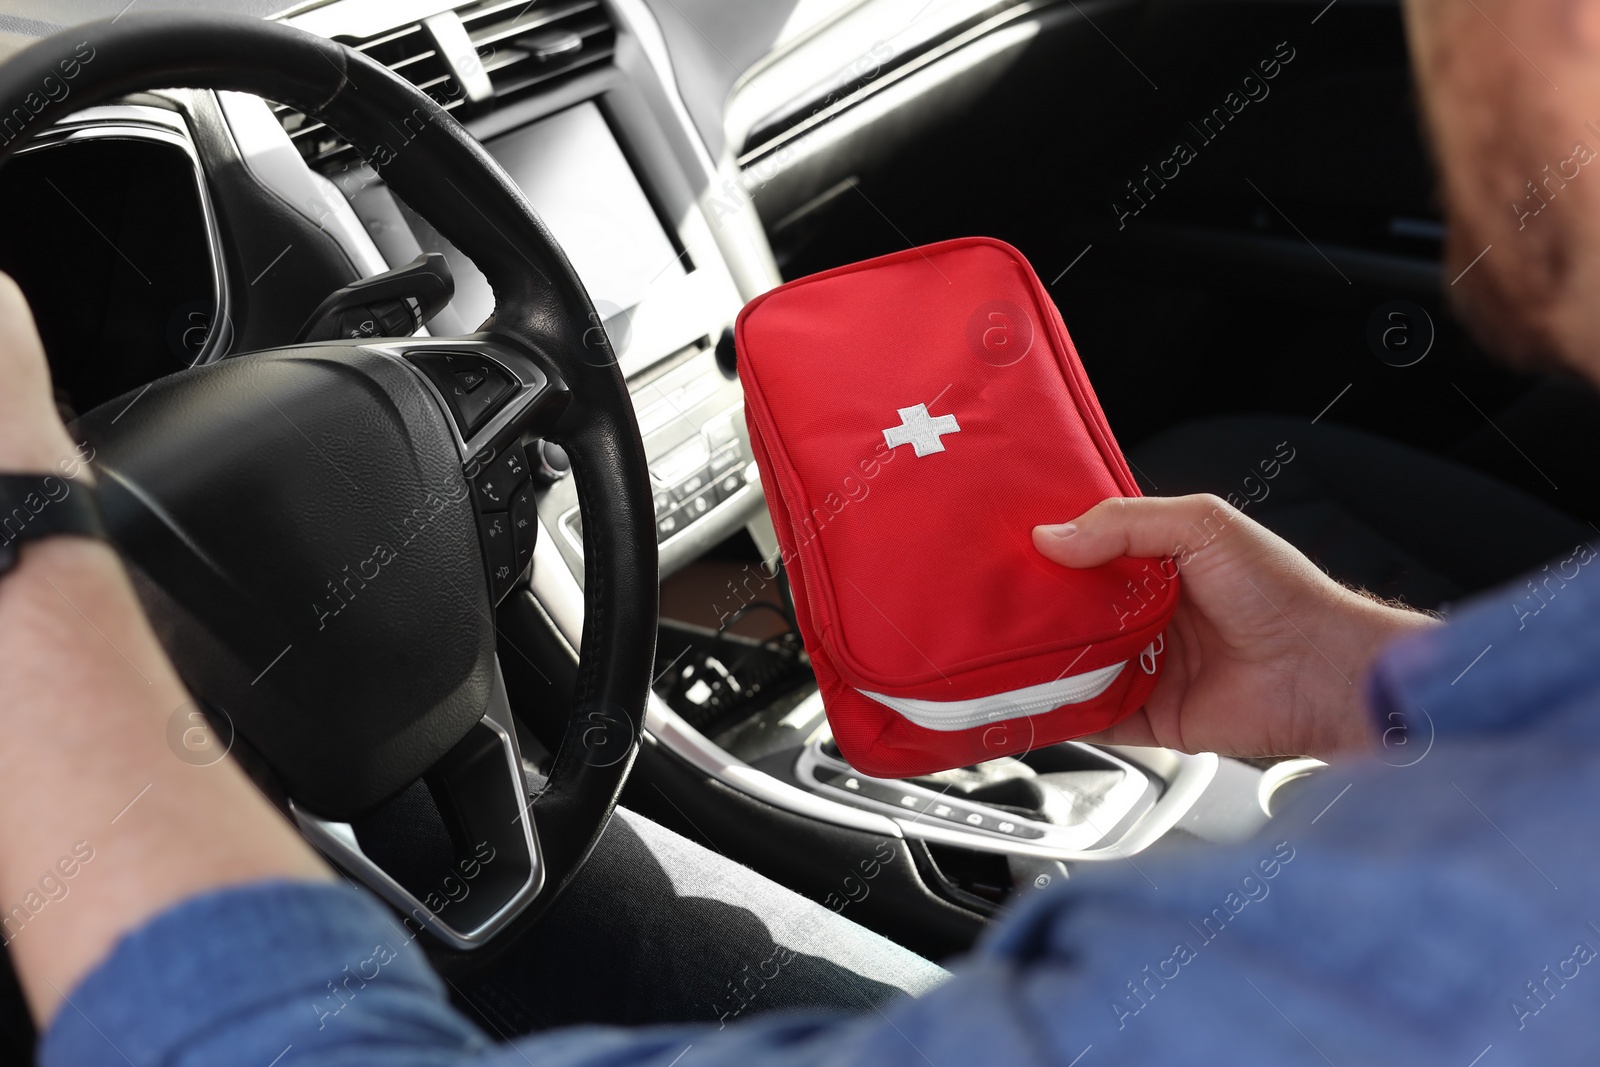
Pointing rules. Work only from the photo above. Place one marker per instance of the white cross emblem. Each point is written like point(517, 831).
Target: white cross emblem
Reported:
point(921, 431)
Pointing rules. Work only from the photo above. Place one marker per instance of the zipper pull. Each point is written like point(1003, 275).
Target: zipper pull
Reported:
point(1147, 658)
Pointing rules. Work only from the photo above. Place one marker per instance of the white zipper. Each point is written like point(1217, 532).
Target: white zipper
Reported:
point(949, 715)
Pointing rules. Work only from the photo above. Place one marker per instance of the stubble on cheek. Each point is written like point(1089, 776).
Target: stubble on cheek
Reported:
point(1493, 134)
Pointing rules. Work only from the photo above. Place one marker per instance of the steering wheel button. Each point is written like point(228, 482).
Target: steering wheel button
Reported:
point(524, 523)
point(475, 406)
point(499, 553)
point(494, 488)
point(452, 373)
point(511, 466)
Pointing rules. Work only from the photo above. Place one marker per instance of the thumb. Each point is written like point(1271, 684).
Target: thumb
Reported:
point(1142, 527)
point(31, 434)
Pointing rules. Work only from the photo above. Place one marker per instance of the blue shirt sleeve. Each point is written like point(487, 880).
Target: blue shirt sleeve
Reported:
point(1432, 904)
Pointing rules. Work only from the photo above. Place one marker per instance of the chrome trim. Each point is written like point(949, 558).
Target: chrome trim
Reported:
point(458, 54)
point(137, 122)
point(670, 729)
point(1279, 775)
point(555, 588)
point(1060, 842)
point(1194, 774)
point(739, 499)
point(640, 21)
point(363, 18)
point(738, 128)
point(741, 246)
point(532, 381)
point(338, 841)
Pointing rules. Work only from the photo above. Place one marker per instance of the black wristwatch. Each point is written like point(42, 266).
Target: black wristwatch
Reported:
point(35, 506)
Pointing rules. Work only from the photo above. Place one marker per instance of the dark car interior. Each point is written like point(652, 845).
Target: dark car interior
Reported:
point(1229, 201)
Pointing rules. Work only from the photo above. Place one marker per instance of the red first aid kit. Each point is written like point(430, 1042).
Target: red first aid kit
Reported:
point(914, 417)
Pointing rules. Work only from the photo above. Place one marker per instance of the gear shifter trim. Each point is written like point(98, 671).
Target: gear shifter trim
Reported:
point(935, 813)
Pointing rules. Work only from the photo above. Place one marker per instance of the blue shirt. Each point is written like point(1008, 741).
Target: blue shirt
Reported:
point(1436, 903)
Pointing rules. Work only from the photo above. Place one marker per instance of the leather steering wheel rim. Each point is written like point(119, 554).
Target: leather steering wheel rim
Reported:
point(429, 160)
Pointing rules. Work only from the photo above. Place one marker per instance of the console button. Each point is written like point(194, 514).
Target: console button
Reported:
point(699, 504)
point(664, 502)
point(691, 485)
point(720, 431)
point(730, 456)
point(670, 524)
point(681, 462)
point(729, 484)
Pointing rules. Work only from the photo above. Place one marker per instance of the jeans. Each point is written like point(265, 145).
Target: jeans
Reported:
point(658, 929)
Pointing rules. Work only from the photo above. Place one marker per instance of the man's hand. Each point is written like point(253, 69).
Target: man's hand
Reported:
point(32, 439)
point(1265, 654)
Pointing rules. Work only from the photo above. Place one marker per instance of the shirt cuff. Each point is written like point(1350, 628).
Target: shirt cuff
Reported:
point(239, 974)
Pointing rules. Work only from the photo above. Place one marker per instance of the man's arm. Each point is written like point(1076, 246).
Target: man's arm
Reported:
point(86, 693)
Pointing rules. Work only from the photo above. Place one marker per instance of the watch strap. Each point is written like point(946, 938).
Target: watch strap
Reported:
point(36, 506)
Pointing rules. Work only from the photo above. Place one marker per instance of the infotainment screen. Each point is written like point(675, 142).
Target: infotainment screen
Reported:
point(577, 179)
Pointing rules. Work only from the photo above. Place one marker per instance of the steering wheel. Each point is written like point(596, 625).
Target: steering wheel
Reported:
point(306, 526)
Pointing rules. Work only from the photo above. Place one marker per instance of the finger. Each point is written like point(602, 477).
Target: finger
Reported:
point(31, 434)
point(1143, 527)
point(1135, 730)
point(19, 339)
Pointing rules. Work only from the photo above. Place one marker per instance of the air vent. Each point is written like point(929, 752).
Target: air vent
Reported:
point(524, 47)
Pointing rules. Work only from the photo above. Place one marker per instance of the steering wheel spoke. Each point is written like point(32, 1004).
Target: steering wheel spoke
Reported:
point(496, 870)
point(500, 402)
